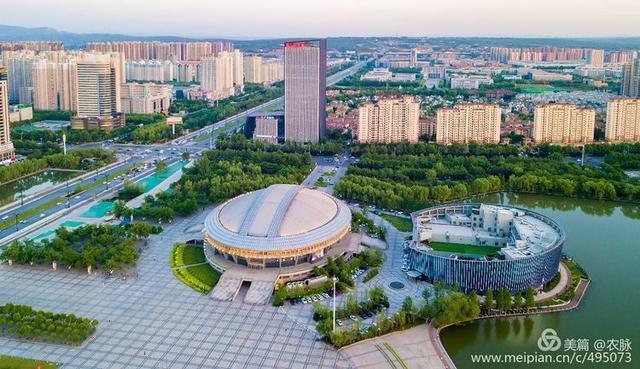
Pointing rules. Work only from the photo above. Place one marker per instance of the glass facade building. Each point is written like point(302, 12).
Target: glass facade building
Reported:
point(480, 274)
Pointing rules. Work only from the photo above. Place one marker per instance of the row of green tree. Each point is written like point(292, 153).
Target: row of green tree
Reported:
point(24, 322)
point(505, 301)
point(98, 246)
point(85, 159)
point(411, 182)
point(446, 307)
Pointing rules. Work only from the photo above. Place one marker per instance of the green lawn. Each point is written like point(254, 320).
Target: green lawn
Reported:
point(202, 277)
point(193, 255)
point(459, 248)
point(13, 362)
point(402, 224)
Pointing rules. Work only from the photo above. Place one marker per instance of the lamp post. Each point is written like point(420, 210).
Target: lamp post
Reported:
point(334, 302)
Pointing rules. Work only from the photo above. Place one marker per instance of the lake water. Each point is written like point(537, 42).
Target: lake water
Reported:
point(603, 237)
point(32, 184)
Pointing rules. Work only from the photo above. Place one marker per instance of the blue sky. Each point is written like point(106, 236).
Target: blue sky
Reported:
point(289, 18)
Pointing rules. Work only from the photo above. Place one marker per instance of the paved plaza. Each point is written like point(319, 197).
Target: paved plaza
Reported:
point(390, 272)
point(154, 321)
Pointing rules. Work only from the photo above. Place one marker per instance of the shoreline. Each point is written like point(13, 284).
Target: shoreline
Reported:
point(580, 291)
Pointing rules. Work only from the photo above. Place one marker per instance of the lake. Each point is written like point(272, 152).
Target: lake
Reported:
point(604, 238)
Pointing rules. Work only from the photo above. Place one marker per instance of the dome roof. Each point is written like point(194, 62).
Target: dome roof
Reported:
point(278, 216)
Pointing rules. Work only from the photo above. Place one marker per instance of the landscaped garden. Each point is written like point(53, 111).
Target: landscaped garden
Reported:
point(459, 248)
point(24, 322)
point(190, 266)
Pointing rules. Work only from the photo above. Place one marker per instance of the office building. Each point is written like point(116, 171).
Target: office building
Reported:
point(469, 123)
point(438, 72)
point(623, 120)
point(563, 124)
point(470, 82)
point(390, 120)
point(595, 58)
point(631, 79)
point(145, 98)
point(7, 152)
point(305, 69)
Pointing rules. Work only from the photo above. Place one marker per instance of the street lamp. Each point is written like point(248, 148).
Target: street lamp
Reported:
point(334, 302)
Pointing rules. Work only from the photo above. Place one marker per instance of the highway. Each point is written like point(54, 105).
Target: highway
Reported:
point(136, 155)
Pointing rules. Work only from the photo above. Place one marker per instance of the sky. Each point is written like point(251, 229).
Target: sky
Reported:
point(323, 18)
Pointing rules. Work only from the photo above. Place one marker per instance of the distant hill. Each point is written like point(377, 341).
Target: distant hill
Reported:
point(74, 40)
point(70, 39)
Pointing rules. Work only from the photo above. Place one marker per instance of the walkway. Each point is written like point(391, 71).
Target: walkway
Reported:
point(563, 284)
point(411, 347)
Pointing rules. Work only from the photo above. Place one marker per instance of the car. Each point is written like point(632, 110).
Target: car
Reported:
point(339, 322)
point(325, 295)
point(77, 197)
point(5, 217)
point(353, 317)
point(42, 215)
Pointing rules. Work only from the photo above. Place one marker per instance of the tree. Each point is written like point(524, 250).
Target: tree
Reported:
point(324, 327)
point(161, 166)
point(186, 156)
point(489, 300)
point(529, 299)
point(517, 300)
point(426, 294)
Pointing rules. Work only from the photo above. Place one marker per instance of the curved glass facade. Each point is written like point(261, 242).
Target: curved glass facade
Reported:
point(515, 274)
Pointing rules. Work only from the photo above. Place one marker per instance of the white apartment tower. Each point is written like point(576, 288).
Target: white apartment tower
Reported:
point(388, 121)
point(623, 120)
point(563, 124)
point(469, 122)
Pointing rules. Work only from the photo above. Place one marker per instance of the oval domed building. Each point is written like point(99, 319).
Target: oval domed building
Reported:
point(278, 226)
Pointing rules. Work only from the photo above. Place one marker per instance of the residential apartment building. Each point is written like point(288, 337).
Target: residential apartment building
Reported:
point(595, 58)
point(305, 69)
point(145, 98)
point(20, 79)
point(623, 120)
point(468, 122)
point(7, 152)
point(155, 50)
point(54, 85)
point(389, 120)
point(259, 70)
point(563, 124)
point(217, 75)
point(631, 79)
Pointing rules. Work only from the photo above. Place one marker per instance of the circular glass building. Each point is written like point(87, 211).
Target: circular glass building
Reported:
point(478, 246)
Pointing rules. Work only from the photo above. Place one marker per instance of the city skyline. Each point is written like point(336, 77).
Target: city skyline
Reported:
point(494, 18)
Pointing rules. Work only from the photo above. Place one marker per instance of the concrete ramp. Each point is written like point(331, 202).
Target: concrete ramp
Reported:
point(226, 289)
point(259, 292)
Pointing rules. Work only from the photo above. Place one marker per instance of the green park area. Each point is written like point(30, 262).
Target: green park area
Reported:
point(191, 268)
point(536, 89)
point(460, 248)
point(13, 362)
point(402, 224)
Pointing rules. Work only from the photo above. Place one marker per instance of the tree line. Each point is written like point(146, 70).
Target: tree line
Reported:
point(98, 246)
point(24, 322)
point(390, 178)
point(222, 174)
